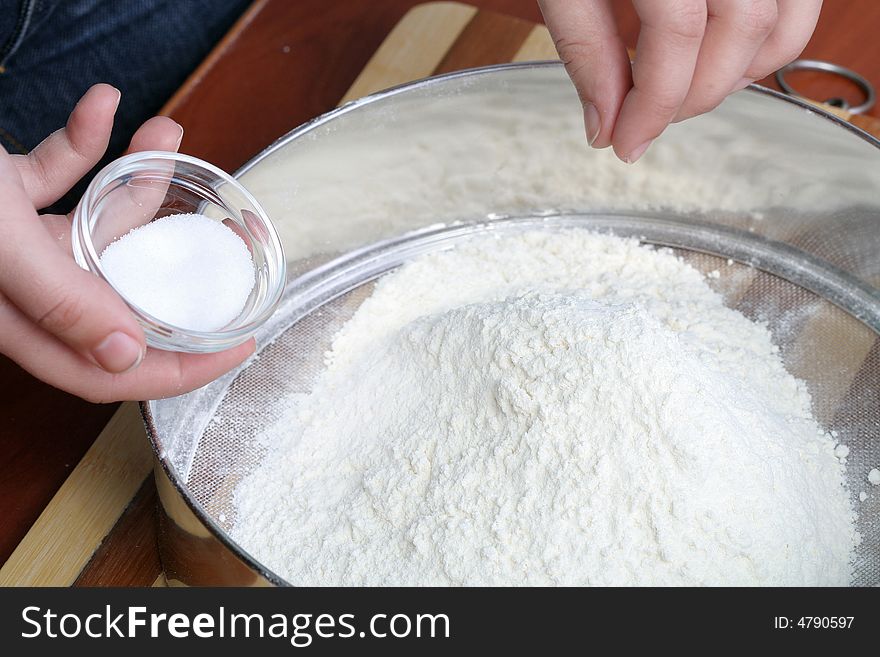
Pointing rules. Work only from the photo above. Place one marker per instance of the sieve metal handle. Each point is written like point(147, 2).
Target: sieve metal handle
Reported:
point(835, 69)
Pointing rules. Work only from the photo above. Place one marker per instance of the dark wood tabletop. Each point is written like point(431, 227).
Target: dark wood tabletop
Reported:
point(288, 62)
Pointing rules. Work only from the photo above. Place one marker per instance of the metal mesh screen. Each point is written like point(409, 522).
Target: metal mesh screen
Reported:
point(837, 355)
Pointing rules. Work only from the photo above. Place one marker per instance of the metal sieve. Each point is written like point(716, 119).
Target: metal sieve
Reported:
point(774, 196)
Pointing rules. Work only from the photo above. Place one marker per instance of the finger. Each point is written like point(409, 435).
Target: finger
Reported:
point(145, 191)
point(49, 288)
point(666, 56)
point(58, 228)
point(65, 156)
point(157, 134)
point(162, 374)
point(794, 27)
point(595, 57)
point(735, 31)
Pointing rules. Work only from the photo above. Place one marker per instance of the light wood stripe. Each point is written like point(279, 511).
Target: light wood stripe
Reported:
point(128, 556)
point(425, 34)
point(538, 46)
point(487, 39)
point(86, 507)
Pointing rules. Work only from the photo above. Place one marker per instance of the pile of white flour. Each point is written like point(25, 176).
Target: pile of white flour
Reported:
point(550, 408)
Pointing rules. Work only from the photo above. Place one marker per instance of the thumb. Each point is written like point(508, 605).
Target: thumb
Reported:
point(54, 292)
point(595, 57)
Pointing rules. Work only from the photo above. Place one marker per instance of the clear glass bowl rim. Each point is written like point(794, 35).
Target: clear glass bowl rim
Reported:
point(87, 257)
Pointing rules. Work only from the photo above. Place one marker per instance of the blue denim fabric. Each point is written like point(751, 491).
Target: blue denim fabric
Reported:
point(52, 51)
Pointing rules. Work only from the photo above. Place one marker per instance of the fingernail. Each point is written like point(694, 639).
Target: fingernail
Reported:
point(592, 122)
point(637, 152)
point(118, 353)
point(118, 98)
point(180, 138)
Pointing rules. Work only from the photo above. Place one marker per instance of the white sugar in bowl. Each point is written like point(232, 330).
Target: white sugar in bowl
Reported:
point(189, 249)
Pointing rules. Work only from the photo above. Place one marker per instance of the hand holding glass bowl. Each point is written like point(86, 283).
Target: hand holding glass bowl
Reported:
point(69, 327)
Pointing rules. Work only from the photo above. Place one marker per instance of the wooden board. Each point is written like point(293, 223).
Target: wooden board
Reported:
point(86, 509)
point(99, 529)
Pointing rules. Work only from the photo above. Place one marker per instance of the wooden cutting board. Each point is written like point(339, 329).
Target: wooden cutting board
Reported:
point(99, 529)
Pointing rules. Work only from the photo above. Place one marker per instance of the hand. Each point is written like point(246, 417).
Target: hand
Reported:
point(690, 55)
point(59, 322)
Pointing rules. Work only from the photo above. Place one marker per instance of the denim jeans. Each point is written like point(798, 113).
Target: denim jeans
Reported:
point(52, 51)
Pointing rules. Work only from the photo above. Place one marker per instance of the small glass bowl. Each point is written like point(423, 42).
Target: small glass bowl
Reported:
point(138, 188)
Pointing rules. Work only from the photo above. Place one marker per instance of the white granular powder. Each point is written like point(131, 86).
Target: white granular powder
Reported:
point(550, 409)
point(187, 270)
